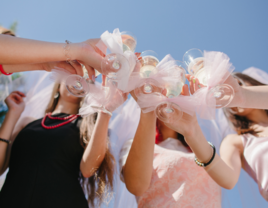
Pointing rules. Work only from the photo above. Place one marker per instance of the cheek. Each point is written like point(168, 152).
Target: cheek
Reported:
point(66, 95)
point(244, 111)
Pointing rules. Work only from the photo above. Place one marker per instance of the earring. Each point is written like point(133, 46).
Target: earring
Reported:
point(56, 95)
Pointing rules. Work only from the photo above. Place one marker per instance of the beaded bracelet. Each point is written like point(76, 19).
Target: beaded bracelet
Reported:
point(3, 71)
point(5, 140)
point(66, 48)
point(206, 164)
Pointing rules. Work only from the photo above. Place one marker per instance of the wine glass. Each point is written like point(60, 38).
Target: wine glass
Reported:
point(148, 85)
point(129, 41)
point(113, 64)
point(110, 93)
point(223, 93)
point(78, 85)
point(174, 80)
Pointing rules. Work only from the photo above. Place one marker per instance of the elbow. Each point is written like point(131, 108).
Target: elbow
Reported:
point(137, 188)
point(228, 186)
point(86, 172)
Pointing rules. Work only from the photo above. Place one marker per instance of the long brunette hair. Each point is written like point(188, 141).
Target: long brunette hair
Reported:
point(95, 187)
point(241, 124)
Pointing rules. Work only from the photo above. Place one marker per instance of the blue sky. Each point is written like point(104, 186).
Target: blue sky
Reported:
point(238, 28)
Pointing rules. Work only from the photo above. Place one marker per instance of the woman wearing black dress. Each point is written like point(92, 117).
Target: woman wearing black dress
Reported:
point(53, 159)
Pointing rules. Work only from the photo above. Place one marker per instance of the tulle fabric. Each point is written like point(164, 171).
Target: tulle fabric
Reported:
point(59, 75)
point(165, 74)
point(109, 97)
point(162, 69)
point(114, 44)
point(218, 69)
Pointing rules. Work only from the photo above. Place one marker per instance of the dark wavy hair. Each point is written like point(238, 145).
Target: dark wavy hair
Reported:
point(159, 138)
point(241, 124)
point(94, 187)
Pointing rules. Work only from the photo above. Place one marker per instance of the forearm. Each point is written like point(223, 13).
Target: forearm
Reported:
point(255, 97)
point(5, 133)
point(97, 146)
point(24, 51)
point(221, 172)
point(22, 67)
point(139, 164)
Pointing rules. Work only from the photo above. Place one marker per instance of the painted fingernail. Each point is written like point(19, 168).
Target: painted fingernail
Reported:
point(93, 78)
point(199, 86)
point(194, 81)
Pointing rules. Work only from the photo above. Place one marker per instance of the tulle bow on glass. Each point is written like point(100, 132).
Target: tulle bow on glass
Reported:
point(113, 42)
point(102, 98)
point(217, 69)
point(170, 73)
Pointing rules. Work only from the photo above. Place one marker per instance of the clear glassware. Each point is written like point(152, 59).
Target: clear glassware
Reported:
point(194, 60)
point(113, 62)
point(129, 41)
point(78, 85)
point(168, 111)
point(148, 85)
point(108, 94)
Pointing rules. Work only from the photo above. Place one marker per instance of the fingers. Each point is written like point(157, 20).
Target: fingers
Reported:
point(77, 67)
point(66, 66)
point(90, 72)
point(103, 80)
point(191, 85)
point(185, 90)
point(20, 93)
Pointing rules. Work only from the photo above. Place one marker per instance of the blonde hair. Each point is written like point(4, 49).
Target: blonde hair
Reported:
point(97, 185)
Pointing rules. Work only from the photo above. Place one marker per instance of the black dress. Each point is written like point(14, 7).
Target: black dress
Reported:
point(44, 168)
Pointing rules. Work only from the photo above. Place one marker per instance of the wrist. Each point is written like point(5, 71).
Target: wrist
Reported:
point(105, 115)
point(14, 113)
point(192, 131)
point(75, 51)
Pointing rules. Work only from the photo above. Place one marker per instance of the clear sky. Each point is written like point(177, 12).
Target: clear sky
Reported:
point(238, 28)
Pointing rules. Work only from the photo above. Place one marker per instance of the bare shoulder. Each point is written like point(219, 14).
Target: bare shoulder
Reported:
point(232, 140)
point(25, 121)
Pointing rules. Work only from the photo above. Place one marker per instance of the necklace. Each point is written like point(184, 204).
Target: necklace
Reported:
point(67, 120)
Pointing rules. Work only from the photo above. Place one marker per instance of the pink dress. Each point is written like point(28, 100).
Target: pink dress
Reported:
point(176, 180)
point(255, 161)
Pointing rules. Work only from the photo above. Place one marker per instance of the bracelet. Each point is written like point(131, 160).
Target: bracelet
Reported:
point(3, 72)
point(5, 140)
point(66, 48)
point(206, 164)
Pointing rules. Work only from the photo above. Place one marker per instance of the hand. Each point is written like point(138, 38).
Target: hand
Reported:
point(73, 66)
point(186, 125)
point(15, 102)
point(115, 99)
point(238, 99)
point(88, 54)
point(194, 83)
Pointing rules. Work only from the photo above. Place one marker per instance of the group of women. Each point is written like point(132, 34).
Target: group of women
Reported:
point(64, 160)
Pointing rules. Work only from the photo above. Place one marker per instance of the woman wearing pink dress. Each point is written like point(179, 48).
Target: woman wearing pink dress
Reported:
point(165, 174)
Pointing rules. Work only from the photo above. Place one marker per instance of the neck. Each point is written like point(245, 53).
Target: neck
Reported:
point(258, 116)
point(66, 107)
